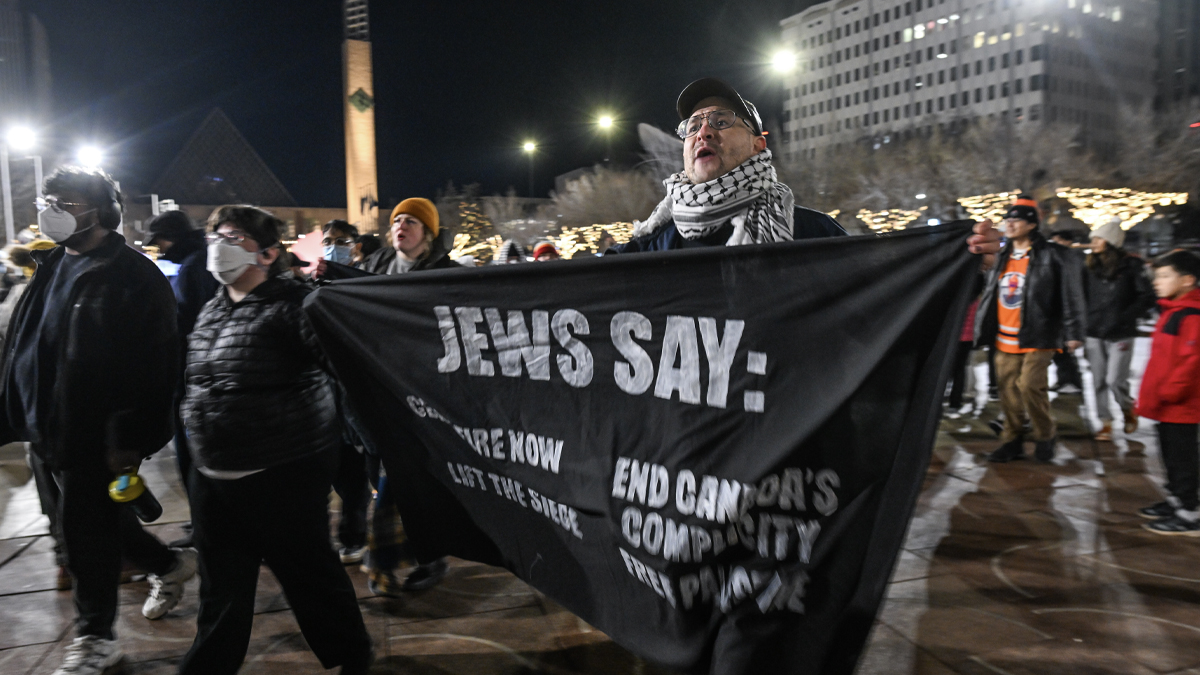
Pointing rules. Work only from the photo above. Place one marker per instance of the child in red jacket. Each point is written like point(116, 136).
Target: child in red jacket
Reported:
point(1171, 392)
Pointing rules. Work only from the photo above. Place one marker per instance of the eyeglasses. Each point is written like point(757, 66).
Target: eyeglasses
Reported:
point(717, 119)
point(233, 239)
point(344, 241)
point(52, 202)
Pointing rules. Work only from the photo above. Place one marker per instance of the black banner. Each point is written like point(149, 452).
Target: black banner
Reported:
point(711, 455)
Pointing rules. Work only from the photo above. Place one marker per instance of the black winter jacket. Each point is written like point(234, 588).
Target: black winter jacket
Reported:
point(118, 364)
point(1115, 304)
point(379, 261)
point(1053, 311)
point(806, 224)
point(193, 284)
point(257, 391)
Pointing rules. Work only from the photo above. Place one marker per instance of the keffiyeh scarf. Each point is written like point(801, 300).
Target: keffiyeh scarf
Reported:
point(751, 197)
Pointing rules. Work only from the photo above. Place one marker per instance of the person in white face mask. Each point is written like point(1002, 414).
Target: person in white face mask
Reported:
point(89, 381)
point(262, 427)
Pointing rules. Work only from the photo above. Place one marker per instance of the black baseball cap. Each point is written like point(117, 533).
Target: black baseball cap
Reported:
point(170, 225)
point(709, 87)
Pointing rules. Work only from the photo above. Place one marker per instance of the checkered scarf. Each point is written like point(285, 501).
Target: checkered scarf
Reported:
point(750, 196)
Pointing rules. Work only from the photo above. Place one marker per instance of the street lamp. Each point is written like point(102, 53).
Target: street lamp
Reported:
point(530, 147)
point(783, 61)
point(21, 139)
point(90, 156)
point(605, 122)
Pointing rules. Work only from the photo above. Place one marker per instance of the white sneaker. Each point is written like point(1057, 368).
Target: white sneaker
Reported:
point(89, 655)
point(167, 590)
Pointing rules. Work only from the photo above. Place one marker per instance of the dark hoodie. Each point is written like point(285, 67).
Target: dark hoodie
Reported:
point(194, 285)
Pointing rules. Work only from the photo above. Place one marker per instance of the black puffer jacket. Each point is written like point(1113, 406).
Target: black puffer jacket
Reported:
point(1053, 311)
point(1117, 296)
point(257, 392)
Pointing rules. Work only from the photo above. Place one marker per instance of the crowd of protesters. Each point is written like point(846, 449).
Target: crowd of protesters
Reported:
point(107, 362)
point(1044, 300)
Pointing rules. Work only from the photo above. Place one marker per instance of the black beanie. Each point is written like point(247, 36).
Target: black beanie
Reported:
point(1025, 208)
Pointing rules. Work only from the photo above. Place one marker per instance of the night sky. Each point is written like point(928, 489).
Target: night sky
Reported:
point(459, 86)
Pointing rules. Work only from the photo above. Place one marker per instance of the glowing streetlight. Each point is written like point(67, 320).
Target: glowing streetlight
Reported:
point(921, 196)
point(784, 61)
point(605, 122)
point(90, 156)
point(21, 138)
point(530, 147)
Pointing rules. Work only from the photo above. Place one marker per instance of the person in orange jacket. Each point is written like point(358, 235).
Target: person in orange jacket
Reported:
point(1170, 393)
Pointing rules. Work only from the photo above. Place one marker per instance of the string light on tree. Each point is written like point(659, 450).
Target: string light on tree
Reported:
point(889, 220)
point(1096, 207)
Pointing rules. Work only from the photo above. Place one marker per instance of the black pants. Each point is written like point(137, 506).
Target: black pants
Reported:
point(281, 517)
point(183, 456)
point(98, 532)
point(352, 486)
point(50, 498)
point(1181, 455)
point(1068, 369)
point(959, 381)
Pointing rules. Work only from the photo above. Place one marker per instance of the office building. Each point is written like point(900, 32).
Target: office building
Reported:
point(24, 66)
point(881, 70)
point(1179, 54)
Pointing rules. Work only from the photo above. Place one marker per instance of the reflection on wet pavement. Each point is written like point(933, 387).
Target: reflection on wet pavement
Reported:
point(1015, 569)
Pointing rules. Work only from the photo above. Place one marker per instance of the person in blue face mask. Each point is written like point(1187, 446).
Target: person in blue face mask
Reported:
point(338, 241)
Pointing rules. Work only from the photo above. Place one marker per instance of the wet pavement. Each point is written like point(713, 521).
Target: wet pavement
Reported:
point(1015, 569)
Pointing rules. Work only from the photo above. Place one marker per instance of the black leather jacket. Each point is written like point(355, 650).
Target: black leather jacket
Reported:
point(1116, 303)
point(117, 367)
point(257, 390)
point(1054, 309)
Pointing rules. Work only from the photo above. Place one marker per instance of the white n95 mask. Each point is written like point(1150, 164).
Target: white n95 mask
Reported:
point(227, 262)
point(58, 225)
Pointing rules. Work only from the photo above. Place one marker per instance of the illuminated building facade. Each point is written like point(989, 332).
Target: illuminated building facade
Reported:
point(24, 66)
point(880, 70)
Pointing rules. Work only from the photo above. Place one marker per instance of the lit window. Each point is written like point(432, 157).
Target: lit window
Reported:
point(918, 32)
point(1116, 13)
point(1087, 8)
point(1020, 30)
point(979, 39)
point(908, 35)
point(993, 39)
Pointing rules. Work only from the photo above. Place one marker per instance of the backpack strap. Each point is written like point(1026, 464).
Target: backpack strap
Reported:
point(1171, 327)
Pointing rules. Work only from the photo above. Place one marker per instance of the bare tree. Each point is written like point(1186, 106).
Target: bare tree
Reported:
point(606, 196)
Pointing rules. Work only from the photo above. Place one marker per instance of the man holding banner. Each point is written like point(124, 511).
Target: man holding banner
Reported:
point(718, 473)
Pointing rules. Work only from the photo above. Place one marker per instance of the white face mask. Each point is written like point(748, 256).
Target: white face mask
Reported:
point(227, 262)
point(59, 225)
